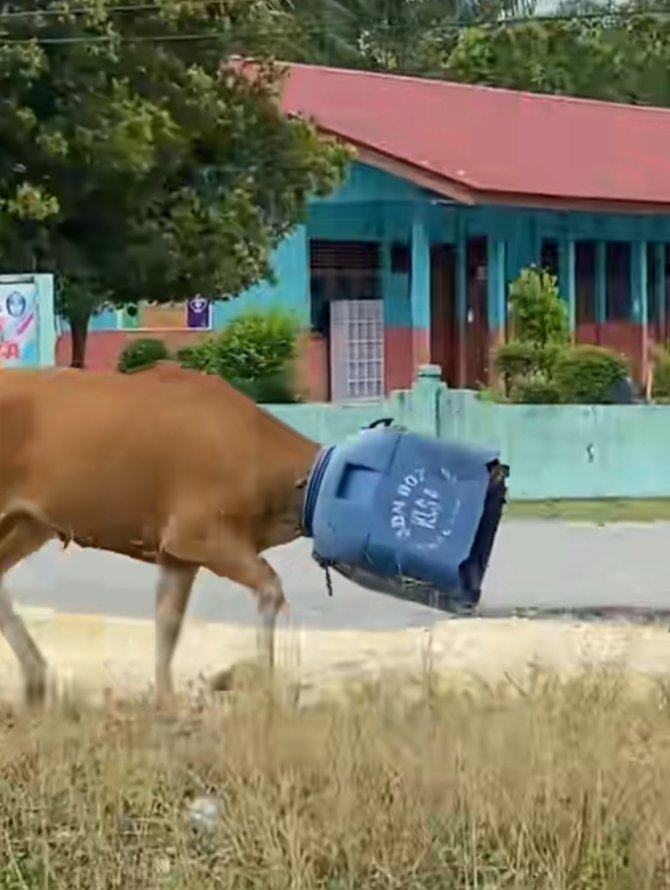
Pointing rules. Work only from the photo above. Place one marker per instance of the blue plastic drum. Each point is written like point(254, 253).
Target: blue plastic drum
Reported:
point(407, 515)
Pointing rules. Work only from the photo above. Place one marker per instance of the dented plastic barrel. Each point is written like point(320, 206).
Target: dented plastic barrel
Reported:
point(407, 515)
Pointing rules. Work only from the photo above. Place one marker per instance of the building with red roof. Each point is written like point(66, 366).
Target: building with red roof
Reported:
point(455, 189)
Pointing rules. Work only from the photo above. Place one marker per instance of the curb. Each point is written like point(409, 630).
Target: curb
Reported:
point(99, 653)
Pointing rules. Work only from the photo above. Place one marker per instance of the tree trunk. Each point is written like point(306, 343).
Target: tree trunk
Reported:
point(79, 334)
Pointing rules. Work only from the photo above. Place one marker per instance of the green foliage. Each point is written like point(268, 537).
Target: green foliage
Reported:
point(536, 390)
point(405, 36)
point(661, 385)
point(133, 167)
point(142, 353)
point(537, 314)
point(602, 53)
point(273, 389)
point(539, 326)
point(255, 352)
point(515, 360)
point(589, 374)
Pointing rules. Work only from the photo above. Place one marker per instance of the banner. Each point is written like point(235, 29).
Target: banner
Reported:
point(19, 345)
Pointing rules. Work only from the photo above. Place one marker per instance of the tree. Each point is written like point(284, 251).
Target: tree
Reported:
point(132, 167)
point(403, 36)
point(617, 54)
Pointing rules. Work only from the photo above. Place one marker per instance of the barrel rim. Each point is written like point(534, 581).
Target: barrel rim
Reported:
point(313, 488)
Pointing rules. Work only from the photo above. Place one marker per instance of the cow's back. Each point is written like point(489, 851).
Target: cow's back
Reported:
point(117, 454)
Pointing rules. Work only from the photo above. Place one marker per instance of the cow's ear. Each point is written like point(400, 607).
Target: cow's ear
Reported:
point(301, 483)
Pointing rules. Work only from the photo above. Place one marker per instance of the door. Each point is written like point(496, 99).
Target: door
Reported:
point(443, 329)
point(476, 318)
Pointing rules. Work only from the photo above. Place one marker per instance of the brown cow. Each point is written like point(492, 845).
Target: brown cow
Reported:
point(167, 466)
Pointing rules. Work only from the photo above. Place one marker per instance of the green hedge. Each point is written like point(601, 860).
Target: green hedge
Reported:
point(589, 375)
point(142, 353)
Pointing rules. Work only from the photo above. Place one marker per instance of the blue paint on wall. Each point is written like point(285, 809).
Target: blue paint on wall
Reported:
point(290, 292)
point(374, 205)
point(566, 278)
point(639, 290)
point(366, 183)
point(397, 307)
point(495, 284)
point(420, 277)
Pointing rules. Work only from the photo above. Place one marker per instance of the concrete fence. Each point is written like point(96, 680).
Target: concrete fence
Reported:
point(554, 451)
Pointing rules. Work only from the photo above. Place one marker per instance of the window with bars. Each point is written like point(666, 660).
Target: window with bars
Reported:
point(357, 349)
point(342, 270)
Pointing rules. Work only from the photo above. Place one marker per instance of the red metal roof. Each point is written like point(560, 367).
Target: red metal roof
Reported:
point(493, 144)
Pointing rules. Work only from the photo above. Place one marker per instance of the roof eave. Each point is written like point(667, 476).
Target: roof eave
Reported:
point(571, 204)
point(467, 195)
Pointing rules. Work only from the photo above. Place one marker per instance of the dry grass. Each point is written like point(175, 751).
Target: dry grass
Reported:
point(565, 784)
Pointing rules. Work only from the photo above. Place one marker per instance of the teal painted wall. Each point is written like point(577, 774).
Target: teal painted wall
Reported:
point(290, 290)
point(568, 451)
point(373, 205)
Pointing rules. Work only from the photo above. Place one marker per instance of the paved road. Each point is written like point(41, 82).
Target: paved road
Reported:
point(534, 563)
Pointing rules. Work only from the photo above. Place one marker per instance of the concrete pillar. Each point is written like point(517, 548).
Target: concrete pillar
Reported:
point(496, 286)
point(461, 299)
point(419, 294)
point(496, 290)
point(639, 305)
point(566, 281)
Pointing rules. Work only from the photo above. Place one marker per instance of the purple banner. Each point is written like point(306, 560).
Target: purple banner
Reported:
point(198, 312)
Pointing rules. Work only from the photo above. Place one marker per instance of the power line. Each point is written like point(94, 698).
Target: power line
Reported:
point(615, 16)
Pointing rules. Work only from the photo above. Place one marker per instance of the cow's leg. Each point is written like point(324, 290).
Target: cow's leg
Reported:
point(227, 555)
point(19, 537)
point(258, 575)
point(175, 583)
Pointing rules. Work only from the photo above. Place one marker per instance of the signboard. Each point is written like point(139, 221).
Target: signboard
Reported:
point(19, 344)
point(197, 317)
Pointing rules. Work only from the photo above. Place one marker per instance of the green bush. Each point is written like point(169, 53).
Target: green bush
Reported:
point(196, 357)
point(255, 345)
point(589, 375)
point(661, 386)
point(275, 389)
point(537, 314)
point(514, 360)
point(517, 361)
point(142, 353)
point(254, 352)
point(537, 390)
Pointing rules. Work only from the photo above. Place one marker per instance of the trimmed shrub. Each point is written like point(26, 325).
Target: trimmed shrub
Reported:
point(514, 360)
point(661, 386)
point(276, 389)
point(142, 353)
point(255, 353)
point(536, 390)
point(589, 375)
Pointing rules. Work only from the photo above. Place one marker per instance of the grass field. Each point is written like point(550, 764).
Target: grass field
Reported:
point(600, 511)
point(556, 786)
